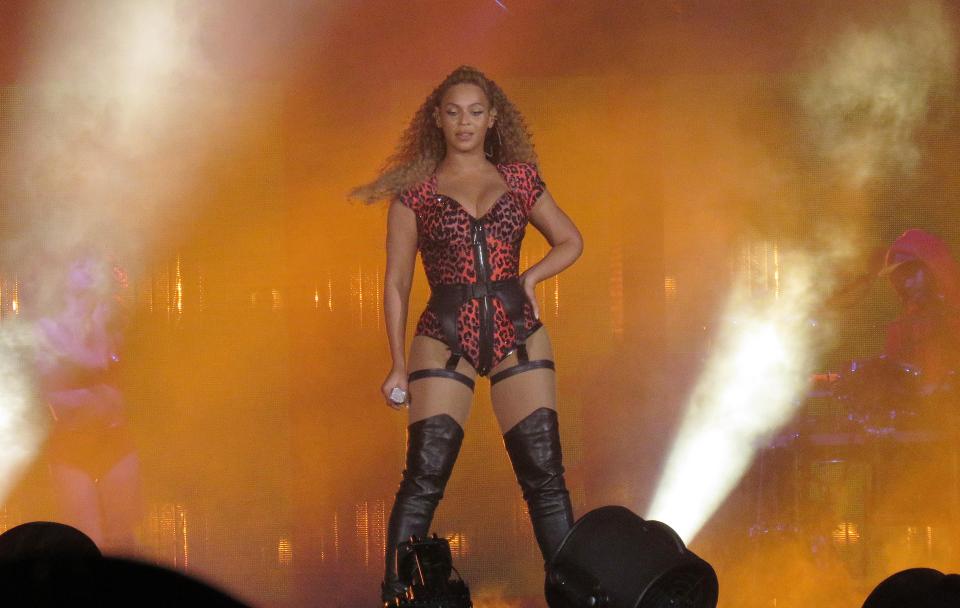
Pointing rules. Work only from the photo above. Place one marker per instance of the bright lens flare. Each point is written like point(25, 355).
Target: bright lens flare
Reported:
point(749, 388)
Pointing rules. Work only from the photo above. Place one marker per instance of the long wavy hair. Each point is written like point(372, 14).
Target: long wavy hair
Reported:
point(422, 146)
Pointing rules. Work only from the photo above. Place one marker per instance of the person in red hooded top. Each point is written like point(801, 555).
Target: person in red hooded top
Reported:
point(926, 335)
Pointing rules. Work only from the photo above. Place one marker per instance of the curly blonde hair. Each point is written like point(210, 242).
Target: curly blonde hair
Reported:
point(422, 146)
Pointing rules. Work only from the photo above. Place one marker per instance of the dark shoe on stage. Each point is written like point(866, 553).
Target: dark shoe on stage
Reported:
point(432, 448)
point(534, 448)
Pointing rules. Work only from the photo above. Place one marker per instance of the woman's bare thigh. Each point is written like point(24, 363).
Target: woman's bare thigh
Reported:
point(78, 500)
point(120, 499)
point(433, 396)
point(518, 396)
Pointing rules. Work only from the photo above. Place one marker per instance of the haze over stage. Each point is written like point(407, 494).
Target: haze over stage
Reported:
point(734, 168)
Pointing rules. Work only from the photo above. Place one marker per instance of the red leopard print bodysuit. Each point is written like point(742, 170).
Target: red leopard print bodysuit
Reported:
point(446, 249)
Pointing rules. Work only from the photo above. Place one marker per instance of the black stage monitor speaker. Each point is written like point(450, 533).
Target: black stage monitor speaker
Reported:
point(615, 559)
point(916, 588)
point(45, 540)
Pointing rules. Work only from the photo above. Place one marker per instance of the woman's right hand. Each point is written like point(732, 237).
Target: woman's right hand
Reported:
point(397, 378)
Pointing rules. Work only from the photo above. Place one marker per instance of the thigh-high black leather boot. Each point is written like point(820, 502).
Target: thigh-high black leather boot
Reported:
point(432, 448)
point(534, 448)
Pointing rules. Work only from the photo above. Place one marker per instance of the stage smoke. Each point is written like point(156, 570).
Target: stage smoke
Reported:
point(871, 92)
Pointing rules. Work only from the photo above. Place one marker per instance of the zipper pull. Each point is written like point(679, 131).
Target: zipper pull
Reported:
point(477, 232)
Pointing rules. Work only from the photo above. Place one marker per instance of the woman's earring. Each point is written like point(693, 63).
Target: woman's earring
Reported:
point(493, 151)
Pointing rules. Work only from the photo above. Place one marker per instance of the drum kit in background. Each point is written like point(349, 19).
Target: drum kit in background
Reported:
point(867, 473)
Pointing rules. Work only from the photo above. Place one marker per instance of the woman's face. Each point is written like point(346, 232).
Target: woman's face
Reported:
point(88, 277)
point(464, 115)
point(82, 276)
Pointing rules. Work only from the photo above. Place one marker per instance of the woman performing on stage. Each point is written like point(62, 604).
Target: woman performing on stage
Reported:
point(463, 185)
point(93, 462)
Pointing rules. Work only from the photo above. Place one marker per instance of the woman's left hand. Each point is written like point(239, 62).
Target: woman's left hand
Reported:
point(529, 288)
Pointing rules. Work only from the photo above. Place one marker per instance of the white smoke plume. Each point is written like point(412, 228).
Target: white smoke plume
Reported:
point(872, 90)
point(115, 86)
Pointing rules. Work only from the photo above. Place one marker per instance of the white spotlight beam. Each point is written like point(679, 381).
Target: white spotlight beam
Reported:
point(748, 389)
point(20, 433)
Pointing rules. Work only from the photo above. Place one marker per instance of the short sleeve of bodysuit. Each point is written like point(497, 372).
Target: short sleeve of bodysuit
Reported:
point(412, 198)
point(524, 179)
